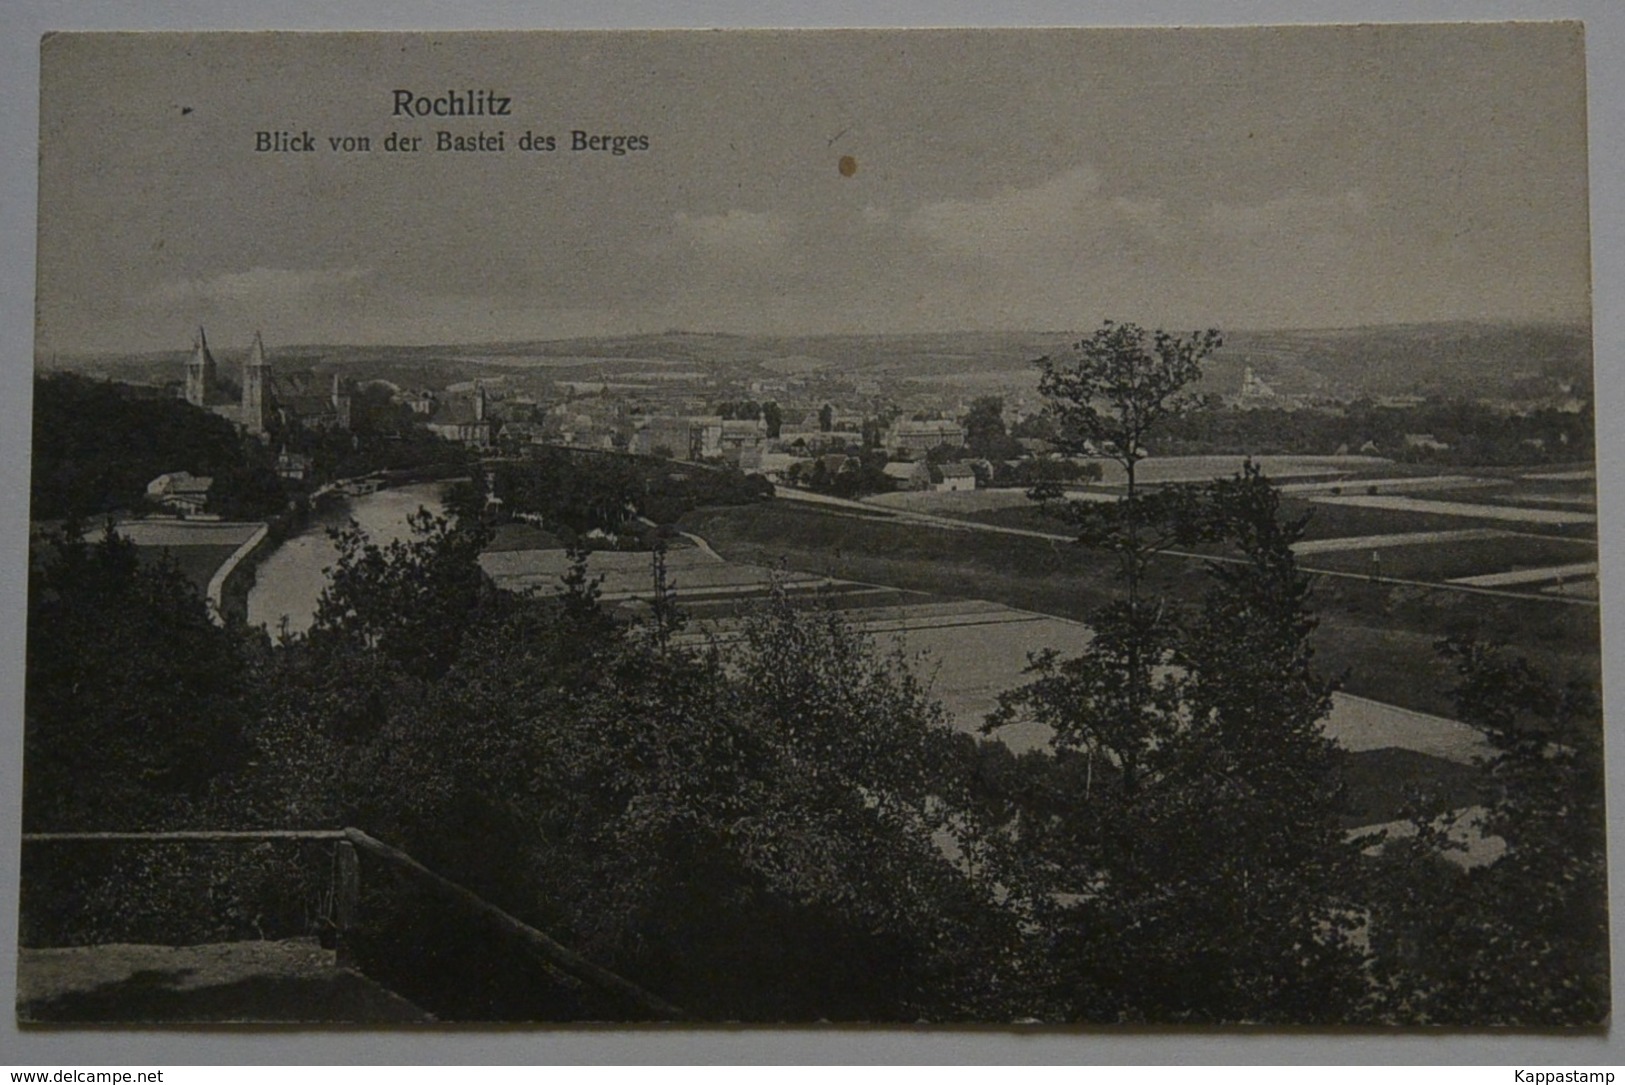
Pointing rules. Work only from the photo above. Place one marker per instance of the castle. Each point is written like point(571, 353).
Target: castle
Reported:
point(266, 401)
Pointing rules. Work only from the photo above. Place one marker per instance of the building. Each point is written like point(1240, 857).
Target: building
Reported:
point(955, 477)
point(418, 402)
point(293, 466)
point(908, 438)
point(463, 419)
point(663, 435)
point(1254, 392)
point(312, 401)
point(915, 475)
point(202, 375)
point(1425, 442)
point(180, 491)
point(741, 442)
point(258, 396)
point(702, 437)
point(263, 401)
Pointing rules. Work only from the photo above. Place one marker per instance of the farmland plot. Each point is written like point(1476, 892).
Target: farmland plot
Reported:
point(1346, 517)
point(1455, 558)
point(1461, 509)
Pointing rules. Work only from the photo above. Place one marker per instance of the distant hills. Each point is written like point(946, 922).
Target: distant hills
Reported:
point(1451, 360)
point(1458, 359)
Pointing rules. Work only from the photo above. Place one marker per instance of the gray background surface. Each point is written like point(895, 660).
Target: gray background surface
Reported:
point(21, 24)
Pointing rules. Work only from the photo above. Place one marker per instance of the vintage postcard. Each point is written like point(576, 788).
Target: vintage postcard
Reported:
point(1051, 527)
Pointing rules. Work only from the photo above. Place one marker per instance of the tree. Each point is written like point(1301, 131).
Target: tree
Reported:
point(984, 426)
point(1519, 938)
point(1106, 401)
point(136, 699)
point(1109, 398)
point(409, 600)
point(1117, 700)
point(1197, 872)
point(826, 418)
point(773, 415)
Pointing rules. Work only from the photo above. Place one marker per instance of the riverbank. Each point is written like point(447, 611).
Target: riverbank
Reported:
point(284, 581)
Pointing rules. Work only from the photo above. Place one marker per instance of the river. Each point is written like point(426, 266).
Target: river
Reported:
point(289, 582)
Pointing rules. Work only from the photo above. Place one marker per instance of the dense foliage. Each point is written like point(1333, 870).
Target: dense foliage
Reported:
point(97, 445)
point(573, 493)
point(1457, 431)
point(135, 700)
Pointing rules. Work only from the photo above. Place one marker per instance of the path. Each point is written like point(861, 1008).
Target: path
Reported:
point(294, 981)
point(1460, 508)
point(1532, 576)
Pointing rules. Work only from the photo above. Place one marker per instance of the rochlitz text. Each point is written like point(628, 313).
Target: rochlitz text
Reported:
point(453, 103)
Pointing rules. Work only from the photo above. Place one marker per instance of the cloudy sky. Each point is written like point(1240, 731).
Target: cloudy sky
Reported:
point(1301, 177)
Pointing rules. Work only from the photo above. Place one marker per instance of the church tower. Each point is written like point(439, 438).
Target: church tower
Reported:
point(256, 413)
point(341, 403)
point(200, 373)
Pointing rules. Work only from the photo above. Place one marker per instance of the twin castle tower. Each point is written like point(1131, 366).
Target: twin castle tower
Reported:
point(261, 405)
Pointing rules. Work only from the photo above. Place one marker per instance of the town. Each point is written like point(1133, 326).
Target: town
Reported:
point(927, 504)
point(1024, 527)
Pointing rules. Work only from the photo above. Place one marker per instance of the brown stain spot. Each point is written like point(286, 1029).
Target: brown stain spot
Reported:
point(847, 165)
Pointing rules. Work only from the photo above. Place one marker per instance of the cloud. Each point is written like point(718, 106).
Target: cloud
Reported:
point(1014, 216)
point(736, 233)
point(1297, 213)
point(259, 286)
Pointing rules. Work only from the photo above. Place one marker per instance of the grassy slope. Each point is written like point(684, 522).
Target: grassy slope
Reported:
point(1380, 638)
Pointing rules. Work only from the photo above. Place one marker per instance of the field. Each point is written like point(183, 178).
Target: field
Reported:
point(969, 651)
point(1462, 509)
point(1330, 516)
point(967, 610)
point(1160, 469)
point(1457, 558)
point(197, 563)
point(1382, 637)
point(196, 547)
point(959, 503)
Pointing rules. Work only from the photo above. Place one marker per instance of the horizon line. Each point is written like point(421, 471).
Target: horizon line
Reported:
point(1563, 322)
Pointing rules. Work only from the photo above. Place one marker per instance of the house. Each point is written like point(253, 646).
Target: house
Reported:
point(698, 438)
point(520, 433)
point(181, 491)
point(909, 476)
point(663, 435)
point(705, 437)
point(419, 402)
point(955, 477)
point(1425, 442)
point(312, 401)
point(464, 420)
point(908, 438)
point(836, 462)
point(777, 465)
point(741, 442)
point(293, 466)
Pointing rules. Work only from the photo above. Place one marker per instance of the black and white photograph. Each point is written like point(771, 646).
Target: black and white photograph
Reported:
point(1047, 527)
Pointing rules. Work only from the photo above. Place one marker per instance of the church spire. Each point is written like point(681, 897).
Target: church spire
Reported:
point(256, 413)
point(200, 372)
